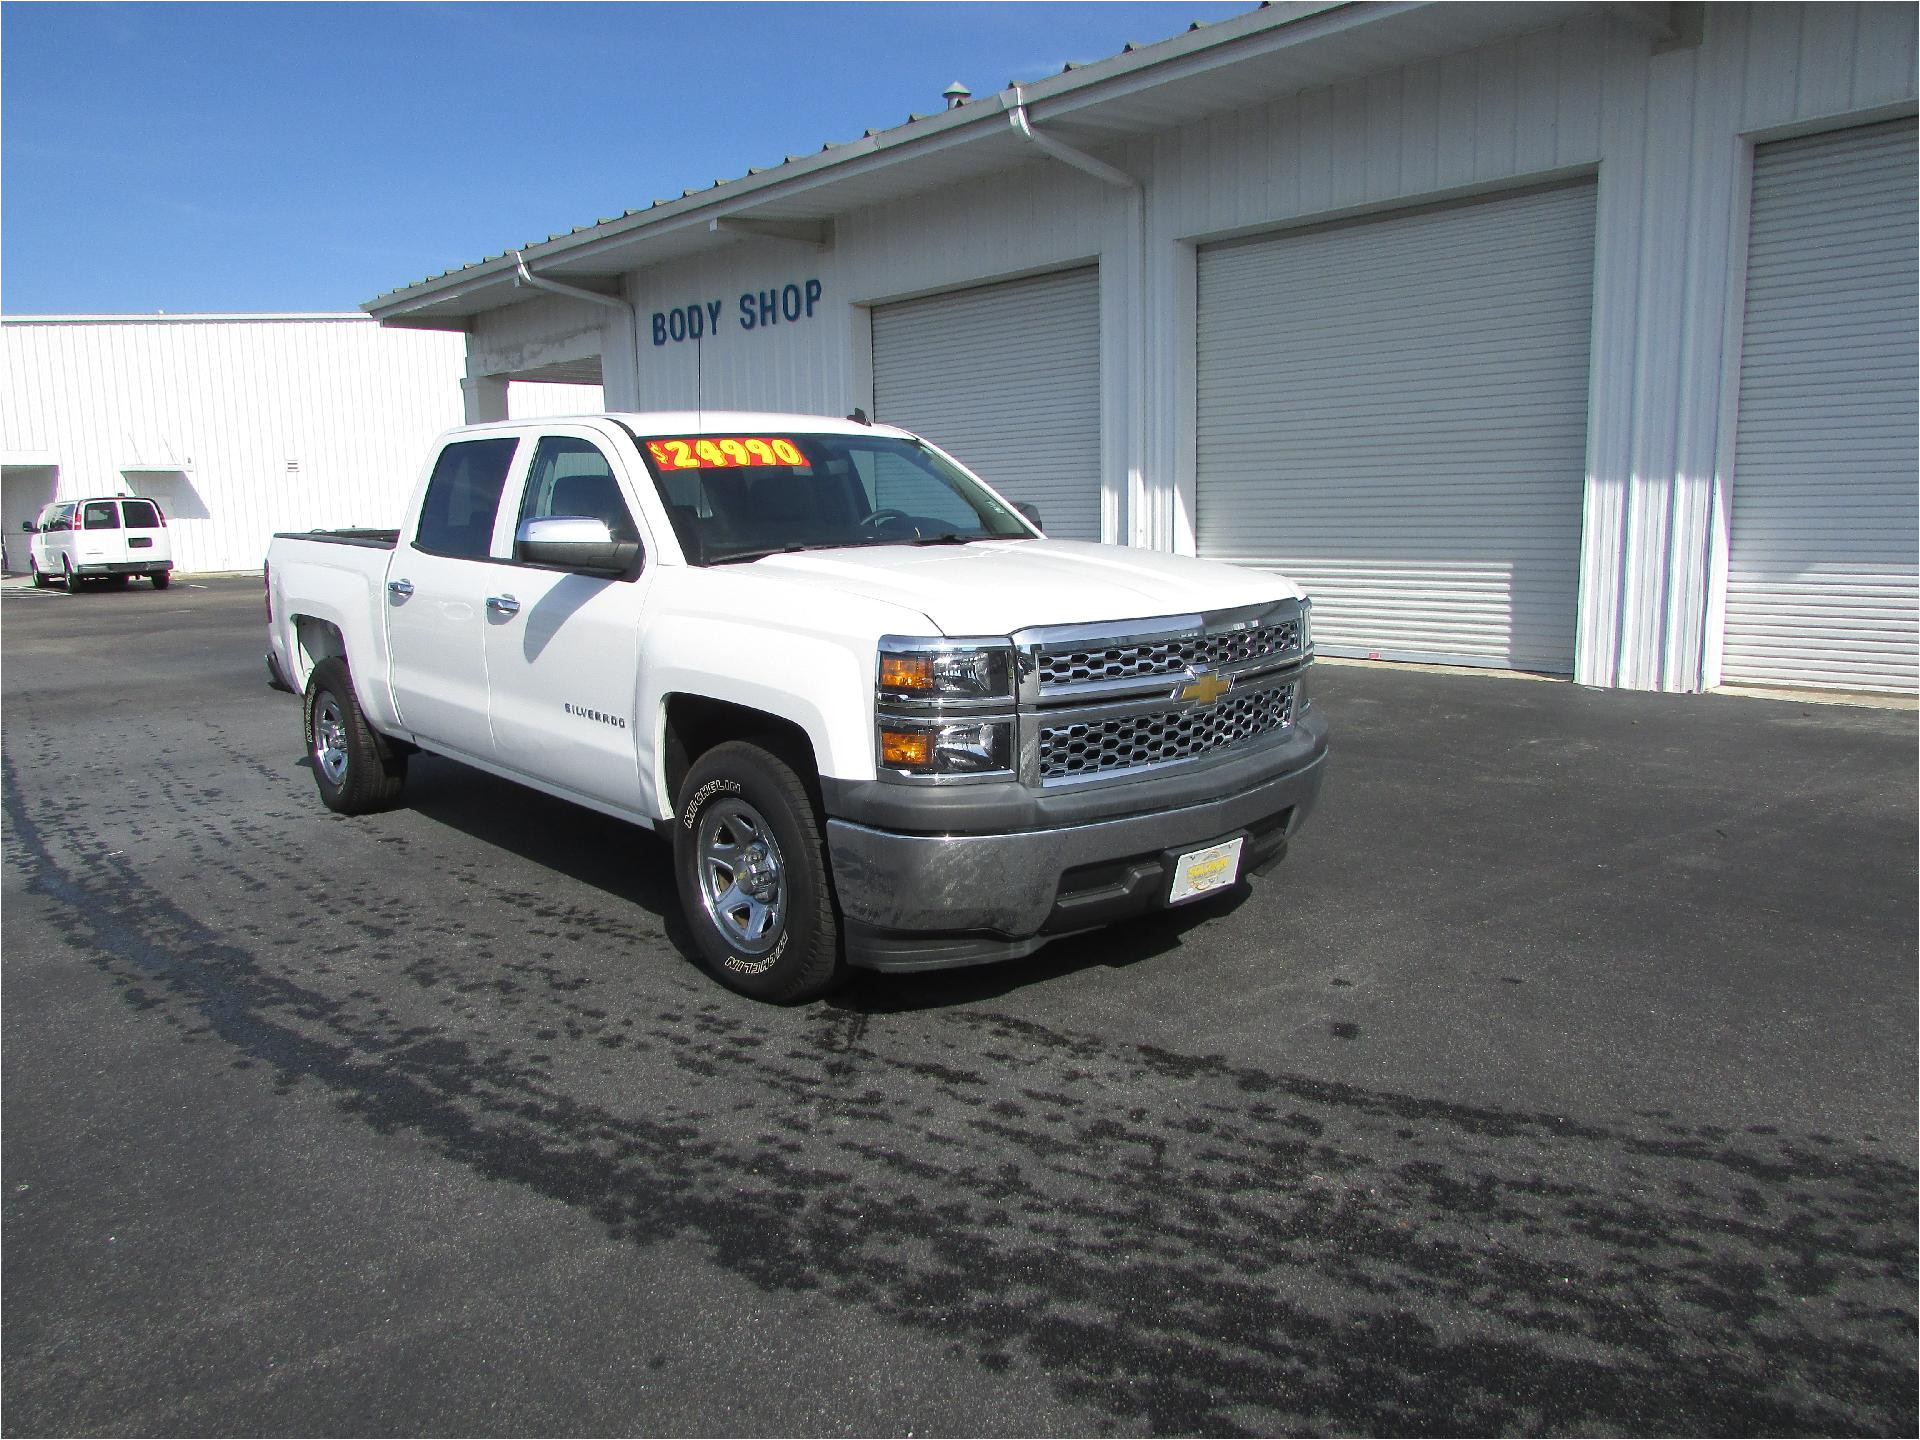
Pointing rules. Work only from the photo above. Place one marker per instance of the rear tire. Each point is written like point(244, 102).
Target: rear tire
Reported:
point(72, 580)
point(116, 582)
point(161, 579)
point(39, 575)
point(356, 770)
point(751, 864)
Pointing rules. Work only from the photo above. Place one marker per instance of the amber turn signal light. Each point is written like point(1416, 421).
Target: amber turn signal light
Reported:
point(906, 672)
point(904, 747)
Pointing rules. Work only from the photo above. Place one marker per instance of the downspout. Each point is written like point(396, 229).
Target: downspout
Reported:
point(1134, 527)
point(526, 277)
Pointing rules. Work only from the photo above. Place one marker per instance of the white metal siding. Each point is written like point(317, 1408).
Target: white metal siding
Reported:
point(541, 400)
point(1007, 378)
point(1393, 413)
point(240, 426)
point(1823, 580)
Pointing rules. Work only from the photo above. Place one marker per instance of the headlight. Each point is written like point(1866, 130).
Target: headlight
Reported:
point(943, 709)
point(927, 672)
point(973, 748)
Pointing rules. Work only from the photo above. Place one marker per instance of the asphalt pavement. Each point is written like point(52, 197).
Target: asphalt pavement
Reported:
point(1561, 1079)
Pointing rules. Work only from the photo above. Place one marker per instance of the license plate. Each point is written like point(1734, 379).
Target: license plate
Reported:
point(139, 544)
point(1201, 872)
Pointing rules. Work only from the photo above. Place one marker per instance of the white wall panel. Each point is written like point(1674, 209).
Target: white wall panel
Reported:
point(1664, 131)
point(536, 400)
point(241, 426)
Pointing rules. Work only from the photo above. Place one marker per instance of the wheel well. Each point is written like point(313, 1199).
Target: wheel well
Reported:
point(318, 640)
point(695, 724)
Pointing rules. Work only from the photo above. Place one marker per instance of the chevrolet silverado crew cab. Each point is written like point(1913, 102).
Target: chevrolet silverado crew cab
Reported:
point(107, 537)
point(886, 721)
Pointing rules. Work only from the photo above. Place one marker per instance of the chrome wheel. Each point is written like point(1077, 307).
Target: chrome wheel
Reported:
point(742, 876)
point(330, 740)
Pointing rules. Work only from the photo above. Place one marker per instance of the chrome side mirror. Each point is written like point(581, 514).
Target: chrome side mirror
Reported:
point(574, 542)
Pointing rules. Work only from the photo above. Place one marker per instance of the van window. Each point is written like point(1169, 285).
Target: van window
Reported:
point(456, 516)
point(140, 514)
point(101, 515)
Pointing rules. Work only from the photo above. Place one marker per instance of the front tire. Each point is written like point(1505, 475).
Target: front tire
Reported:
point(751, 865)
point(357, 772)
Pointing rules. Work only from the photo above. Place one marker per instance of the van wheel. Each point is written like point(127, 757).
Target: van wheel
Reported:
point(116, 582)
point(161, 579)
point(356, 770)
point(752, 870)
point(39, 575)
point(66, 572)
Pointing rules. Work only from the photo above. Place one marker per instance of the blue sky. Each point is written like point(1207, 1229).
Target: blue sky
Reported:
point(254, 157)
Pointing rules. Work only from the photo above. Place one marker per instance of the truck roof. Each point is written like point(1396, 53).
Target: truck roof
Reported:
point(714, 422)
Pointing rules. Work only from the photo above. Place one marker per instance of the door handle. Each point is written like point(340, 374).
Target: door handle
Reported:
point(400, 589)
point(503, 605)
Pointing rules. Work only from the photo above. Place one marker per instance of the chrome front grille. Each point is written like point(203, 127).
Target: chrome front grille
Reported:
point(1104, 702)
point(1158, 737)
point(1169, 656)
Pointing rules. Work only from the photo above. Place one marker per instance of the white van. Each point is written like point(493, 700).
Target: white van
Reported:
point(106, 537)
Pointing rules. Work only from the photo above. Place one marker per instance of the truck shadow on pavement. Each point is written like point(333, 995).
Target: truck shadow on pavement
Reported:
point(635, 866)
point(1177, 1243)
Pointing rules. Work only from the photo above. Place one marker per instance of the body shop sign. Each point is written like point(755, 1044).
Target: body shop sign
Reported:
point(751, 310)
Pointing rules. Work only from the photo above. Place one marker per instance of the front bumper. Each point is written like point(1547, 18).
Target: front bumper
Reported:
point(920, 901)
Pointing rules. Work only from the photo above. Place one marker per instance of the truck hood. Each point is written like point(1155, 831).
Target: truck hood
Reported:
point(994, 587)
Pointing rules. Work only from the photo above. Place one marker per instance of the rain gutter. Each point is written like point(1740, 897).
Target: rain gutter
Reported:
point(1131, 525)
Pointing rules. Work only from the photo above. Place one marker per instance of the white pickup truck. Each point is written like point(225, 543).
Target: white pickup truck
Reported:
point(889, 724)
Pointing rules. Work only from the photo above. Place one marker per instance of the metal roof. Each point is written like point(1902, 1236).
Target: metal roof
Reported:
point(1249, 59)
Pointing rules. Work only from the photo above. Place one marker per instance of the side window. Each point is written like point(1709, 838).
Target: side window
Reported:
point(140, 514)
point(456, 516)
point(101, 515)
point(572, 477)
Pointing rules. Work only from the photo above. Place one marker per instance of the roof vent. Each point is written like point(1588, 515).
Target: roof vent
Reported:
point(956, 95)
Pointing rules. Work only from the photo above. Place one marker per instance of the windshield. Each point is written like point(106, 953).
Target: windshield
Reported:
point(739, 497)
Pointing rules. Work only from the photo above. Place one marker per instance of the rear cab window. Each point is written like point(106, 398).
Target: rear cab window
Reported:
point(100, 515)
point(140, 514)
point(463, 498)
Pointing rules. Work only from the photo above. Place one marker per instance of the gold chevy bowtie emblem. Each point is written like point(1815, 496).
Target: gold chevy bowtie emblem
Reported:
point(1206, 688)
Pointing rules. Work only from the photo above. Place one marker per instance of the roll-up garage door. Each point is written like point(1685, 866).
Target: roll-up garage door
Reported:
point(1006, 378)
point(1393, 412)
point(1821, 579)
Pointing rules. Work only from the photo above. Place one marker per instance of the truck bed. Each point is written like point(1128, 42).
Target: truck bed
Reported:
point(370, 539)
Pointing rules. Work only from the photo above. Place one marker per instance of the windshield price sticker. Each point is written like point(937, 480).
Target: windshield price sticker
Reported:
point(723, 453)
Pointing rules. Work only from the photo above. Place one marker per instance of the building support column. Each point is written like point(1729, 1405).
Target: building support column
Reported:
point(486, 398)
